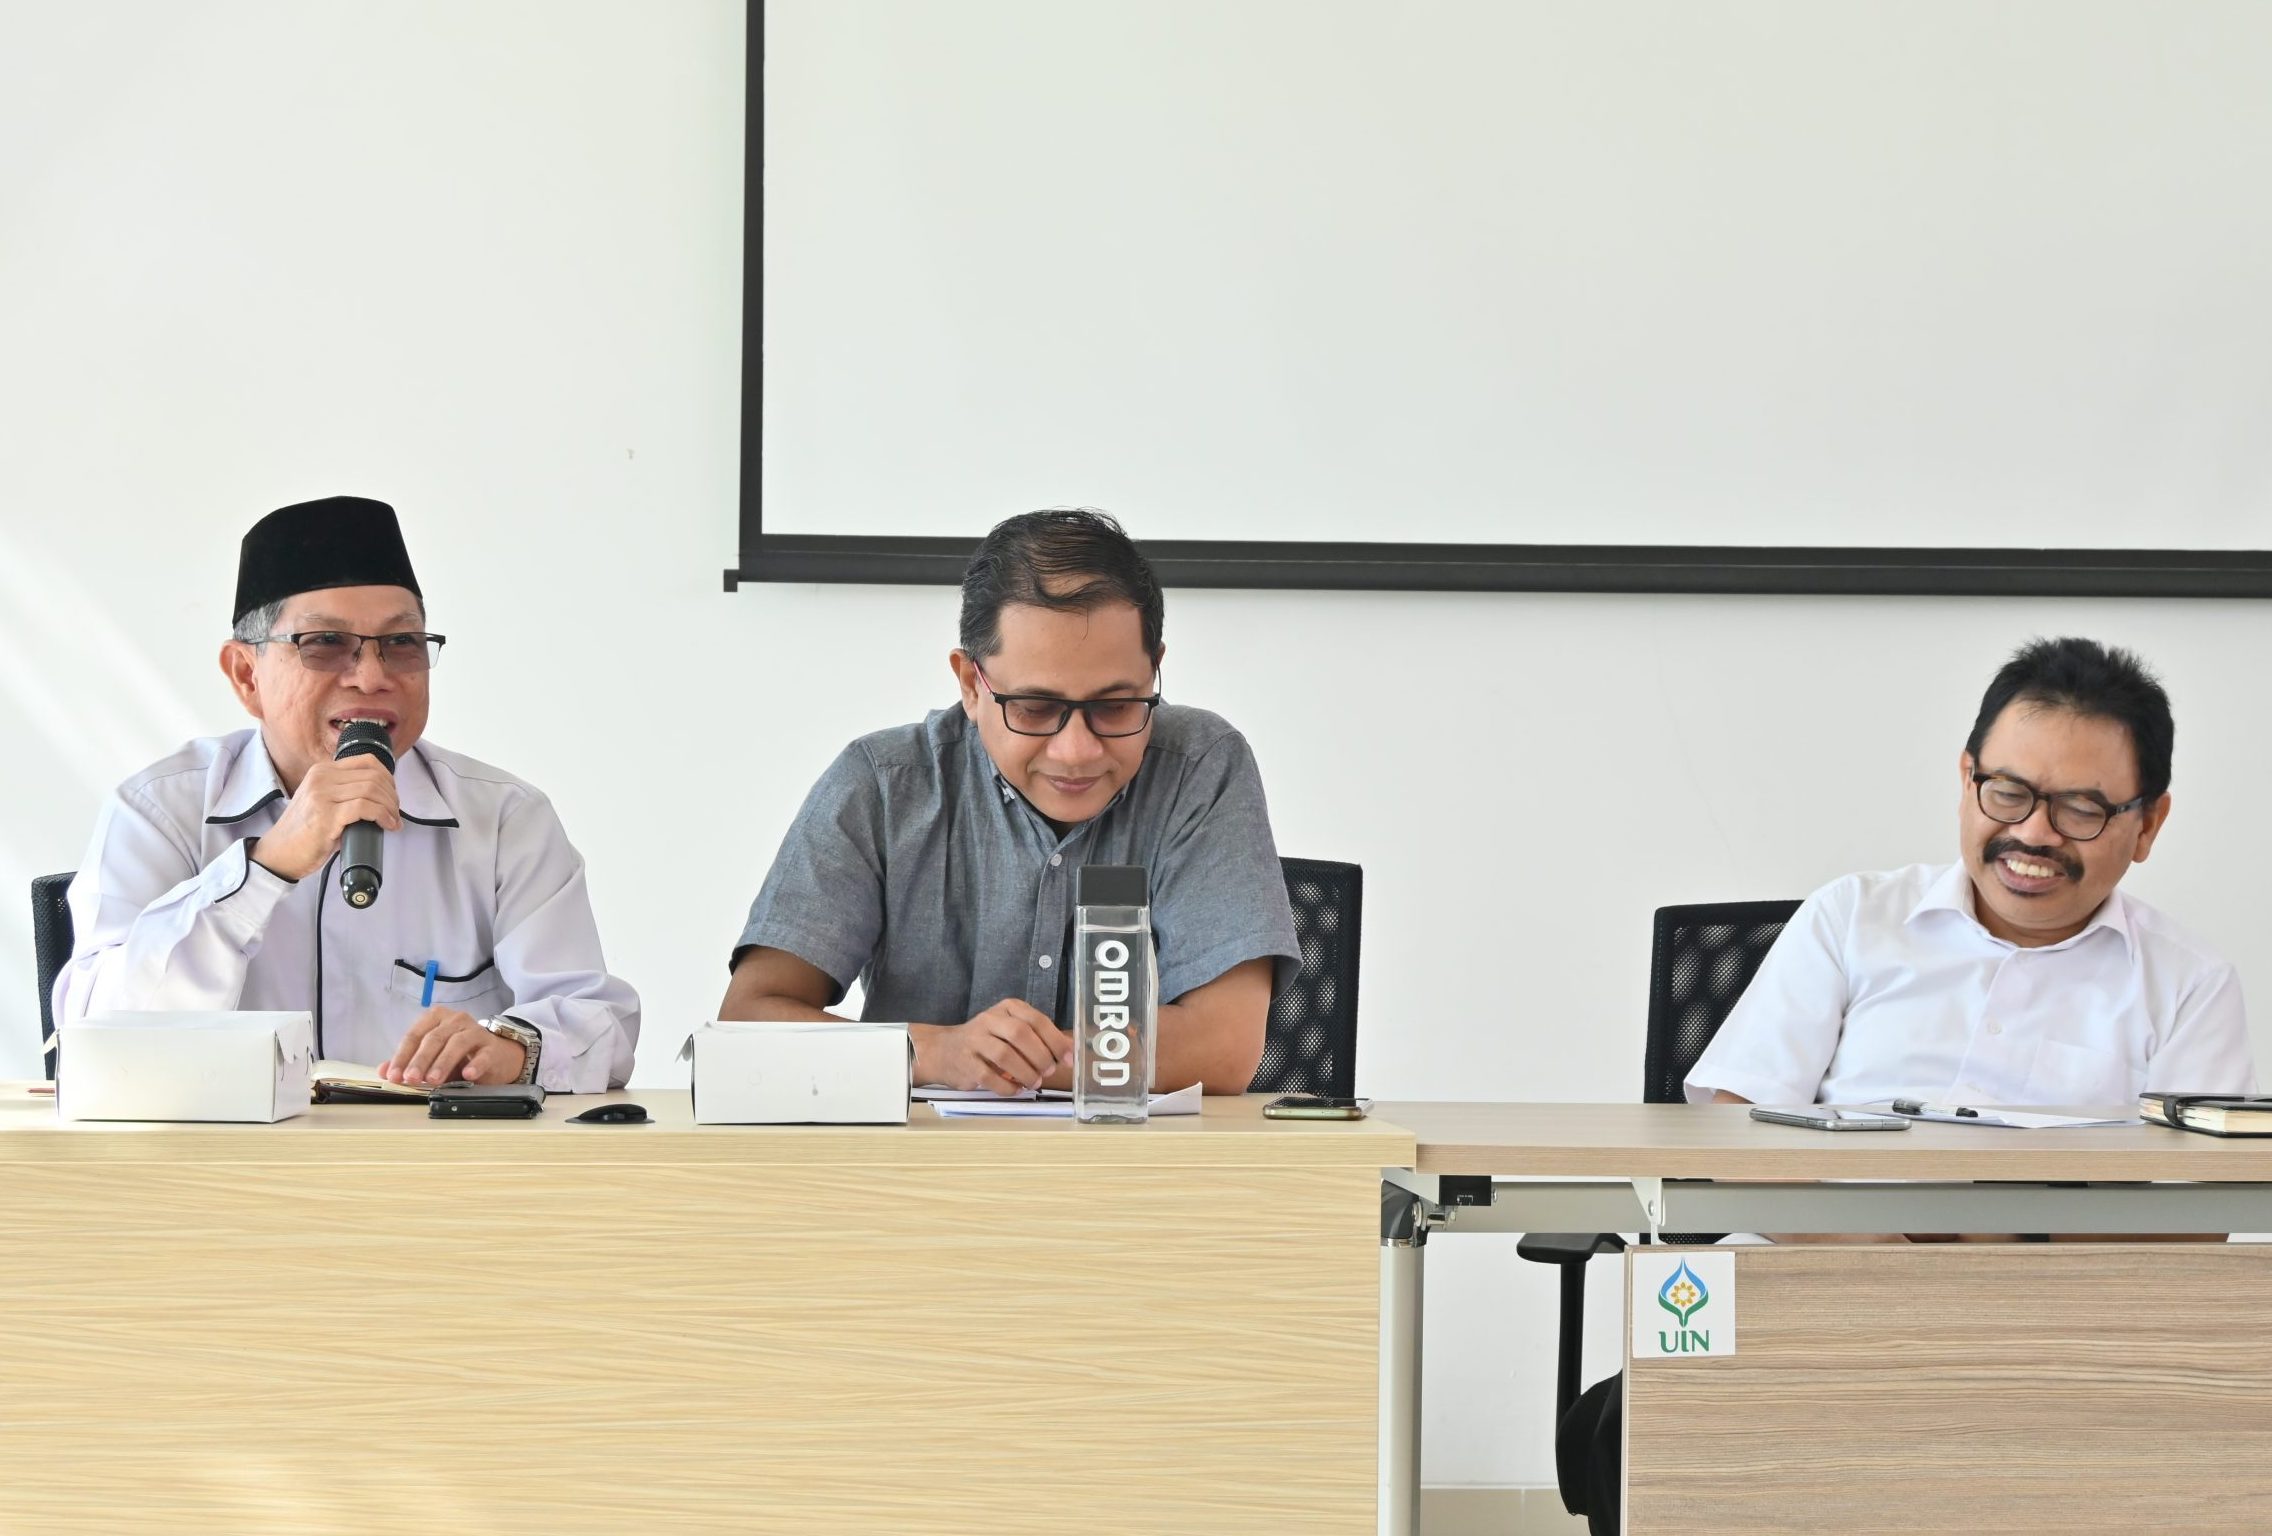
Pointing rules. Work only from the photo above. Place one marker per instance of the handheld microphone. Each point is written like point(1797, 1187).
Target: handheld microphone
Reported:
point(360, 862)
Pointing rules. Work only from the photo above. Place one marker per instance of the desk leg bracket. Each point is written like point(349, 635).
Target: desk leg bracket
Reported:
point(1651, 1194)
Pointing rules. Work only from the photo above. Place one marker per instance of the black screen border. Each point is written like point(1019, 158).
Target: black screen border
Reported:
point(1734, 570)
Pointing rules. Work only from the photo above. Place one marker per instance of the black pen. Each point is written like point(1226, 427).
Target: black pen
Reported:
point(1919, 1107)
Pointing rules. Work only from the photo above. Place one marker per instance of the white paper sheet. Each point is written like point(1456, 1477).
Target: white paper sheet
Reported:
point(1184, 1101)
point(2007, 1119)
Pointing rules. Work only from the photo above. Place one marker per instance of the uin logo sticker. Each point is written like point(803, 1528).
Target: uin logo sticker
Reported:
point(1683, 1303)
point(1684, 1295)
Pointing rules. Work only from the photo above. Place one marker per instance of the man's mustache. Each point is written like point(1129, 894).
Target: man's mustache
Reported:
point(1999, 846)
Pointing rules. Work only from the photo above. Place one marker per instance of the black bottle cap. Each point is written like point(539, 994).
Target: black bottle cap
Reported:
point(1112, 885)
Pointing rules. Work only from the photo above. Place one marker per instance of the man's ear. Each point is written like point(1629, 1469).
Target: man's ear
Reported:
point(240, 665)
point(966, 678)
point(2152, 817)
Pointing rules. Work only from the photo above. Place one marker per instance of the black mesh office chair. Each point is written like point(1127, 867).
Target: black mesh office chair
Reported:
point(1700, 960)
point(51, 950)
point(1311, 1043)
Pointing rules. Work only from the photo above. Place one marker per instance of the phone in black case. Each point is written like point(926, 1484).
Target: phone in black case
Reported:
point(485, 1101)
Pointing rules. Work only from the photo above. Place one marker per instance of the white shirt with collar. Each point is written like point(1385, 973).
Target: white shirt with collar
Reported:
point(170, 913)
point(1887, 984)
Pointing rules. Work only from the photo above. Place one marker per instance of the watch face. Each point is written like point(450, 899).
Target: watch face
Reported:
point(521, 1035)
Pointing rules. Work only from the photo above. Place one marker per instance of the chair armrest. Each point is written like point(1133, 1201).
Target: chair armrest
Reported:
point(1567, 1247)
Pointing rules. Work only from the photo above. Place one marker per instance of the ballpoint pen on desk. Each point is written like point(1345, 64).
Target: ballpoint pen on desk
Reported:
point(1920, 1107)
point(1999, 1117)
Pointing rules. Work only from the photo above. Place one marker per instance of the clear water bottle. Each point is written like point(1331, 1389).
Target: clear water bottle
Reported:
point(1116, 994)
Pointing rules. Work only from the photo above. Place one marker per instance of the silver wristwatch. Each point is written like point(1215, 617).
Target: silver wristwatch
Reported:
point(522, 1035)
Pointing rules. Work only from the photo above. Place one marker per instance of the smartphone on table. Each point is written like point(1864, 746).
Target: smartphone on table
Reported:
point(1315, 1106)
point(484, 1101)
point(1828, 1117)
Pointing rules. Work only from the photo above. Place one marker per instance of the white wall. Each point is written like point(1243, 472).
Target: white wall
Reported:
point(482, 260)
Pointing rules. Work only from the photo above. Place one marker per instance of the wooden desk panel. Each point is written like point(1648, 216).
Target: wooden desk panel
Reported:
point(1722, 1141)
point(360, 1321)
point(2021, 1388)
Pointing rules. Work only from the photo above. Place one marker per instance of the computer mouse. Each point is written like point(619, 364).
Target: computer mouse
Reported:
point(612, 1114)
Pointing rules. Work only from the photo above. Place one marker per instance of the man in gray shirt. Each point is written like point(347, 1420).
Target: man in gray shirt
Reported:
point(935, 862)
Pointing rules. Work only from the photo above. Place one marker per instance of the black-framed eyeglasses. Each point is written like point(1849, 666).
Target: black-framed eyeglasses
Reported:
point(1042, 714)
point(2075, 814)
point(338, 650)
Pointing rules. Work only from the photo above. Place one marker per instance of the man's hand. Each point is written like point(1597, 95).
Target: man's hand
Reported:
point(1009, 1048)
point(331, 798)
point(445, 1044)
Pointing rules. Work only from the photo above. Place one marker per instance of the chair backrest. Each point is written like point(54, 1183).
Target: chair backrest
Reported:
point(1311, 1043)
point(1702, 959)
point(51, 948)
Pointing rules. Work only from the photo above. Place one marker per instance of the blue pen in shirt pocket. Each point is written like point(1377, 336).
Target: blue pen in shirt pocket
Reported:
point(426, 993)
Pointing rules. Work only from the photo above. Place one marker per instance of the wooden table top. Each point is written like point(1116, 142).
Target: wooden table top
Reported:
point(1691, 1141)
point(1722, 1141)
point(1229, 1132)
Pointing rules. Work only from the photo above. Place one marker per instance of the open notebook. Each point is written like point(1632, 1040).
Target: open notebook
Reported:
point(345, 1082)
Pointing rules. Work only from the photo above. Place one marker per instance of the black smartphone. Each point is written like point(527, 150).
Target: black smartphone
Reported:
point(485, 1101)
point(1315, 1106)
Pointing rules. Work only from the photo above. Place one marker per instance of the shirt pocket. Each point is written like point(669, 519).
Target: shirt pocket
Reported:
point(2079, 1075)
point(477, 984)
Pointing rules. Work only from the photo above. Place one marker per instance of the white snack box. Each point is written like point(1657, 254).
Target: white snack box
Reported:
point(185, 1066)
point(794, 1073)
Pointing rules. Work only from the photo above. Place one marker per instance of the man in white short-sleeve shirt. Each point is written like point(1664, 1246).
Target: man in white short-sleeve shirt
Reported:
point(2017, 975)
point(2020, 974)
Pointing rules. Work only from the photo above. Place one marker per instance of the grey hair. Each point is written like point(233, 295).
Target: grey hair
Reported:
point(258, 624)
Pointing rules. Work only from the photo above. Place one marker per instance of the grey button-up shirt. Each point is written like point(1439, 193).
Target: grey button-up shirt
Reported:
point(914, 868)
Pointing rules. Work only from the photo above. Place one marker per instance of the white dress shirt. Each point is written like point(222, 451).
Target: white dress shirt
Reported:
point(1887, 984)
point(169, 913)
